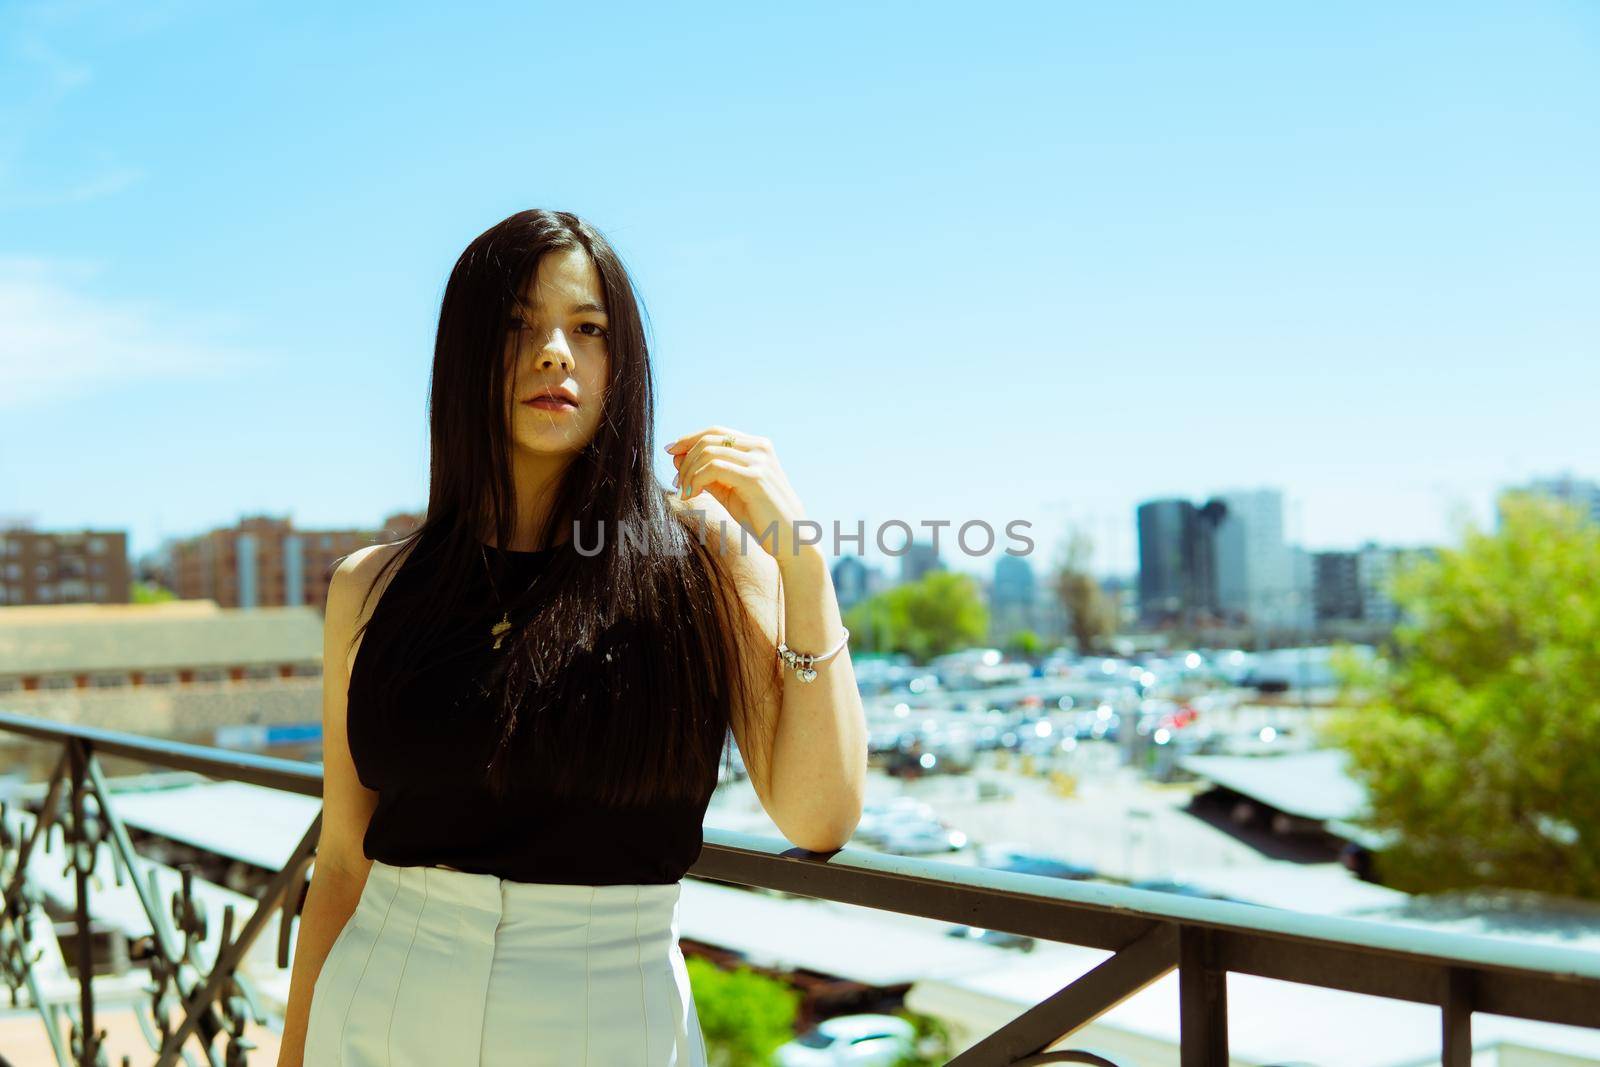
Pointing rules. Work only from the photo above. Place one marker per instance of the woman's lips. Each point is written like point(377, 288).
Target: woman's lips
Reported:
point(551, 403)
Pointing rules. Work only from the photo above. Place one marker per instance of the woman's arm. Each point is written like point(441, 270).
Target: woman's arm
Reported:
point(340, 872)
point(819, 756)
point(812, 781)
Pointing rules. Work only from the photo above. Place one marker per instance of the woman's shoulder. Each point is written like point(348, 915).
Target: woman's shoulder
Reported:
point(367, 570)
point(364, 565)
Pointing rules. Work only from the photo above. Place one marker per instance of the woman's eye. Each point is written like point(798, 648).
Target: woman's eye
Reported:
point(518, 326)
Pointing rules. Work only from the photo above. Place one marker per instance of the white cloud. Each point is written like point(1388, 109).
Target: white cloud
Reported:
point(38, 73)
point(105, 183)
point(59, 341)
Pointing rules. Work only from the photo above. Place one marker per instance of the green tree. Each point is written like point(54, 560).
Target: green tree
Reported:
point(1476, 737)
point(744, 1015)
point(874, 624)
point(1089, 611)
point(932, 1041)
point(939, 613)
point(150, 593)
point(1024, 643)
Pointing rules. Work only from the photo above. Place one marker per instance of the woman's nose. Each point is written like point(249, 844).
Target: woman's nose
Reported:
point(556, 353)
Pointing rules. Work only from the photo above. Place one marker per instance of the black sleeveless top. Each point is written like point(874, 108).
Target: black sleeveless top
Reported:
point(433, 806)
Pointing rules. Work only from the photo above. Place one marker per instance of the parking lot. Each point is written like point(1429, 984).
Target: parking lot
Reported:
point(1114, 820)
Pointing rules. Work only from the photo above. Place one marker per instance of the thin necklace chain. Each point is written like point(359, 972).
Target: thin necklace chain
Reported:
point(499, 629)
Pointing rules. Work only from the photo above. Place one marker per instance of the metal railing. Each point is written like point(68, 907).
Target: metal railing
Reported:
point(1148, 933)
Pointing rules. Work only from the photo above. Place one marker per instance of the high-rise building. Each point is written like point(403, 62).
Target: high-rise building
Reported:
point(1377, 569)
point(64, 567)
point(1302, 606)
point(1014, 596)
point(1050, 620)
point(1255, 568)
point(1177, 553)
point(1354, 586)
point(1336, 585)
point(920, 558)
point(853, 581)
point(1583, 493)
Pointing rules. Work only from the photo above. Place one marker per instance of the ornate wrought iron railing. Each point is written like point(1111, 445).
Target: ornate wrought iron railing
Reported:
point(202, 1008)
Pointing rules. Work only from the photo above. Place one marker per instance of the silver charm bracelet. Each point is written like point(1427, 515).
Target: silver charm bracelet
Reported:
point(802, 663)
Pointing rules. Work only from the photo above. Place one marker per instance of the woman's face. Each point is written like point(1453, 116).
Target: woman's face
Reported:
point(558, 340)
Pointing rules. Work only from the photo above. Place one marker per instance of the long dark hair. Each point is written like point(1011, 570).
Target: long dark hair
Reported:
point(654, 731)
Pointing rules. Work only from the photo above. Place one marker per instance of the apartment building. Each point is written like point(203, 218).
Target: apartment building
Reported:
point(64, 567)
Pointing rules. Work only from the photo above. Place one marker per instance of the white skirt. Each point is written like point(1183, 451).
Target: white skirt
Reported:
point(445, 968)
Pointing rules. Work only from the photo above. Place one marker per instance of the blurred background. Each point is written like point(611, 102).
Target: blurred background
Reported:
point(1271, 327)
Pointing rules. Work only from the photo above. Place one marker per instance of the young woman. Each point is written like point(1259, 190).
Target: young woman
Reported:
point(526, 700)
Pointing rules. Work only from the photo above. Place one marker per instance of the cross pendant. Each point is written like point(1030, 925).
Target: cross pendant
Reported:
point(499, 629)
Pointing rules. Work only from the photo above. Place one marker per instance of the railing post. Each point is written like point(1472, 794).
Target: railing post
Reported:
point(1202, 1000)
point(79, 841)
point(1457, 1018)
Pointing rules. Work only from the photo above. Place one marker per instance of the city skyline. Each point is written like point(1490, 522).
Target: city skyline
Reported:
point(1042, 556)
point(1042, 267)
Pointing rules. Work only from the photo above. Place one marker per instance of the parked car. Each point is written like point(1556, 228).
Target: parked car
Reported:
point(888, 739)
point(879, 817)
point(1184, 889)
point(920, 838)
point(994, 789)
point(850, 1041)
point(998, 938)
point(977, 667)
point(873, 676)
point(916, 680)
point(932, 752)
point(1006, 857)
point(1058, 664)
point(1099, 723)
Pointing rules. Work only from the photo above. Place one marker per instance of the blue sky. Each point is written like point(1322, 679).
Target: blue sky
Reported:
point(995, 262)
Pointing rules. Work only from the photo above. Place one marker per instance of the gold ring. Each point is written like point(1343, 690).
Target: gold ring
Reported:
point(727, 442)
